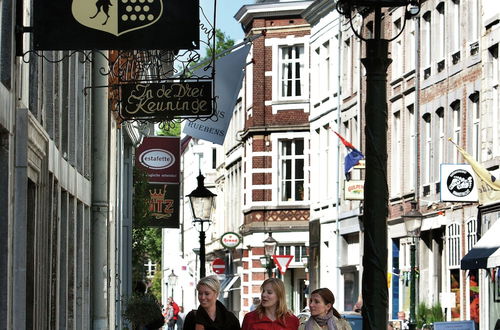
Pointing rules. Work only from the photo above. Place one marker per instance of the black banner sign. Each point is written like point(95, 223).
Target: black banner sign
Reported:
point(164, 205)
point(166, 100)
point(116, 24)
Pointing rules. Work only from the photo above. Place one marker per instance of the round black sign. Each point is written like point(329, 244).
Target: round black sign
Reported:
point(460, 183)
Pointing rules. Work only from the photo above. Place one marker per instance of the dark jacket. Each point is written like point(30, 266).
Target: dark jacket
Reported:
point(224, 319)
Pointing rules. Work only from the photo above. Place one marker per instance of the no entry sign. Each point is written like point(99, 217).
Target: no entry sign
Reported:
point(219, 266)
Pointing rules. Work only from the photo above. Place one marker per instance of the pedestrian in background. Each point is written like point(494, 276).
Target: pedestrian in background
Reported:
point(180, 318)
point(323, 314)
point(255, 303)
point(272, 313)
point(211, 313)
point(172, 314)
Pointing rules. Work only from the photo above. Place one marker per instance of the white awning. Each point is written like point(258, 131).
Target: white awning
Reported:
point(486, 252)
point(229, 285)
point(434, 222)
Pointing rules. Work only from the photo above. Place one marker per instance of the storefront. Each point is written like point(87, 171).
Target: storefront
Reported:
point(482, 264)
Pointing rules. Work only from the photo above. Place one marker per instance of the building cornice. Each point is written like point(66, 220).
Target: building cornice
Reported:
point(248, 13)
point(317, 10)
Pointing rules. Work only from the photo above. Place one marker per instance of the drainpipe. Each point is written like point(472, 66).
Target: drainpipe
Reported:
point(339, 181)
point(100, 200)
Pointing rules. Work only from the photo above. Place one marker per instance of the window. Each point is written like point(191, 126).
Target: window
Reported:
point(396, 153)
point(397, 51)
point(325, 81)
point(455, 26)
point(455, 107)
point(428, 148)
point(453, 237)
point(410, 52)
point(297, 251)
point(292, 169)
point(471, 233)
point(476, 113)
point(441, 27)
point(347, 68)
point(292, 68)
point(474, 20)
point(427, 39)
point(5, 42)
point(441, 132)
point(412, 145)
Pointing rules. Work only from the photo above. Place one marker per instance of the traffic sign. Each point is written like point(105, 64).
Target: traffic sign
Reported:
point(219, 266)
point(282, 262)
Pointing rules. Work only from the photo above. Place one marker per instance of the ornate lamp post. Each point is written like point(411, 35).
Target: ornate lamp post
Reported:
point(413, 223)
point(270, 245)
point(172, 281)
point(202, 204)
point(376, 196)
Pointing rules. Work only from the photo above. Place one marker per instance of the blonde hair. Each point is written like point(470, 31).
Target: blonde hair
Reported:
point(279, 289)
point(211, 282)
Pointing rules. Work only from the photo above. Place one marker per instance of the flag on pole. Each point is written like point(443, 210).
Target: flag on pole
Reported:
point(352, 157)
point(489, 186)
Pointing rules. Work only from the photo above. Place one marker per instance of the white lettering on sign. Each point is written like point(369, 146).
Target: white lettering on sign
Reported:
point(157, 159)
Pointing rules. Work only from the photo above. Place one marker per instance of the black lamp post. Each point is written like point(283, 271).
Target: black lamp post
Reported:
point(413, 223)
point(172, 281)
point(270, 245)
point(376, 195)
point(202, 204)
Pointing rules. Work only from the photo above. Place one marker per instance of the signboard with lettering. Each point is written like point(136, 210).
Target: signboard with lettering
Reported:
point(354, 190)
point(159, 156)
point(116, 24)
point(166, 100)
point(164, 205)
point(455, 325)
point(230, 240)
point(458, 183)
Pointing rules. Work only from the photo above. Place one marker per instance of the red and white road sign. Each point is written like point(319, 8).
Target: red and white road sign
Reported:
point(219, 266)
point(282, 262)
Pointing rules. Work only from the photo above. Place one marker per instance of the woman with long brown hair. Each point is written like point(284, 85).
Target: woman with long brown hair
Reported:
point(272, 313)
point(323, 315)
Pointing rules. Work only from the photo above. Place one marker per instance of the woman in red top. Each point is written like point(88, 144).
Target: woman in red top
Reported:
point(271, 313)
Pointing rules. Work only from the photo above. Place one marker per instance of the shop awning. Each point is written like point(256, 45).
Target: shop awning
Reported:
point(228, 285)
point(486, 252)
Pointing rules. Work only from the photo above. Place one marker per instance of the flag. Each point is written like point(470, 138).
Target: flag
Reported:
point(228, 79)
point(489, 186)
point(352, 157)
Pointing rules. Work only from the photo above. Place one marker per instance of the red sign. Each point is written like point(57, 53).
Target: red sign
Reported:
point(282, 262)
point(219, 266)
point(159, 156)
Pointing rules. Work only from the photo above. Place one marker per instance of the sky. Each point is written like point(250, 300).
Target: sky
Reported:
point(226, 9)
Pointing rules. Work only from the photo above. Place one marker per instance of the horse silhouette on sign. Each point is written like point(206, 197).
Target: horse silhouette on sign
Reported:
point(102, 5)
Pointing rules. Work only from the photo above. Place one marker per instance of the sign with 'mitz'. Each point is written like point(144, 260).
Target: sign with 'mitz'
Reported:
point(116, 24)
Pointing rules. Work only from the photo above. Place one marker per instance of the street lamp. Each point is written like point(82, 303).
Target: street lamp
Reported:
point(413, 223)
point(270, 245)
point(202, 204)
point(172, 281)
point(376, 192)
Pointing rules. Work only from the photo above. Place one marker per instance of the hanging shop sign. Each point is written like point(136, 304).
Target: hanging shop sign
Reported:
point(166, 100)
point(230, 240)
point(458, 183)
point(164, 205)
point(116, 24)
point(354, 190)
point(159, 157)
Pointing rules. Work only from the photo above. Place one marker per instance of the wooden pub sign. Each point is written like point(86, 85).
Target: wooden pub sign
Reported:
point(116, 24)
point(166, 100)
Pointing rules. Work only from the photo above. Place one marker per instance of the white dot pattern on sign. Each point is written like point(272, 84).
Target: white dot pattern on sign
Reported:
point(133, 17)
point(145, 8)
point(128, 8)
point(142, 17)
point(150, 17)
point(124, 17)
point(137, 8)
